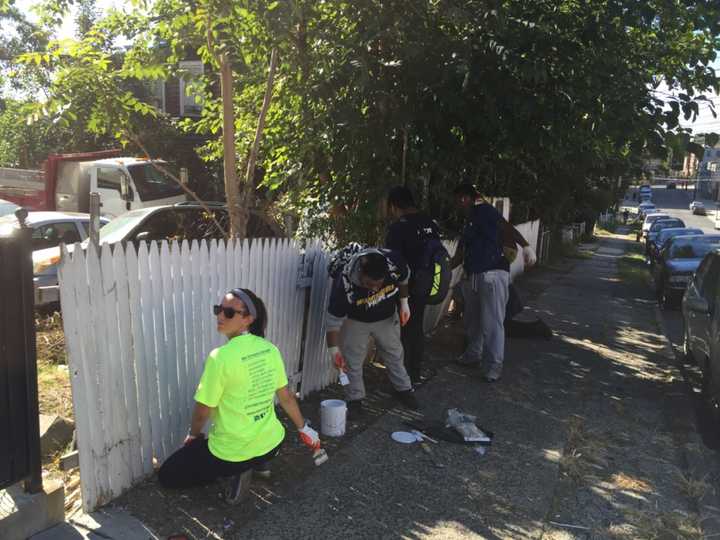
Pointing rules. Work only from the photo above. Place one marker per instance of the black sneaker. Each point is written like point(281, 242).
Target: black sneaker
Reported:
point(407, 398)
point(354, 408)
point(238, 487)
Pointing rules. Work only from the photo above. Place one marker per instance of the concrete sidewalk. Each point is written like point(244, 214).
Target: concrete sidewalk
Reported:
point(589, 430)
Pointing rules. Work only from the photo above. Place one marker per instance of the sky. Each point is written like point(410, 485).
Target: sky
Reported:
point(705, 122)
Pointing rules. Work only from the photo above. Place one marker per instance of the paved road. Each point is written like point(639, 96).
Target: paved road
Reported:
point(675, 202)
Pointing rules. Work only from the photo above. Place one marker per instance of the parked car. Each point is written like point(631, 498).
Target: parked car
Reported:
point(50, 229)
point(181, 221)
point(698, 208)
point(677, 263)
point(7, 208)
point(649, 219)
point(645, 208)
point(664, 237)
point(701, 329)
point(659, 225)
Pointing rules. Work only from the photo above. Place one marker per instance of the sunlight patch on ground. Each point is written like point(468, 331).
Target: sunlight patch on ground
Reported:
point(639, 365)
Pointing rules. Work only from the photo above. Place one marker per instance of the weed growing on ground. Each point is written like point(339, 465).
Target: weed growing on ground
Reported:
point(584, 453)
point(658, 525)
point(50, 339)
point(694, 488)
point(53, 377)
point(572, 251)
point(632, 267)
point(606, 229)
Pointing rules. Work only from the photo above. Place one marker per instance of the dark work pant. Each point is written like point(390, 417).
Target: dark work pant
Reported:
point(194, 465)
point(413, 337)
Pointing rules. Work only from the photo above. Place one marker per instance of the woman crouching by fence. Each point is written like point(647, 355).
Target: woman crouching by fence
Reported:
point(237, 390)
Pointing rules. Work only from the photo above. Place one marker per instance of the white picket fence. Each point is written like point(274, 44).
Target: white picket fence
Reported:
point(139, 325)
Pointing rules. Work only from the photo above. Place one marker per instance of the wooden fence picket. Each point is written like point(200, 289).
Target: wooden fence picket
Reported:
point(150, 364)
point(126, 366)
point(72, 275)
point(140, 359)
point(159, 351)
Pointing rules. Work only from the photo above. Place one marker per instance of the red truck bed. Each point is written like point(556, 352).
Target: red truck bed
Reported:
point(35, 190)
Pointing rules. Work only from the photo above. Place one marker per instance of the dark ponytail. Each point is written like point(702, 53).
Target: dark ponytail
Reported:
point(259, 325)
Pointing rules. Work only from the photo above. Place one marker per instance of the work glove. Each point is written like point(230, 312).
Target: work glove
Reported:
point(404, 311)
point(309, 437)
point(337, 358)
point(189, 439)
point(529, 256)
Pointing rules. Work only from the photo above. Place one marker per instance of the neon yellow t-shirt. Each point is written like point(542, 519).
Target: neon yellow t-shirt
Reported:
point(239, 381)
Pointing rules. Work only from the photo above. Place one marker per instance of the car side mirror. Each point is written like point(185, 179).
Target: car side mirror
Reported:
point(126, 192)
point(143, 236)
point(697, 304)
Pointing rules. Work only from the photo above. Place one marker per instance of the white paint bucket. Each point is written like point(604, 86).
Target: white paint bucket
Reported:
point(333, 413)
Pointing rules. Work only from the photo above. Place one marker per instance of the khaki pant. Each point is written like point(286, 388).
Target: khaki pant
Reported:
point(354, 337)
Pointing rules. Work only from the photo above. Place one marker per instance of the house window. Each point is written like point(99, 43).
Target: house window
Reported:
point(156, 94)
point(190, 105)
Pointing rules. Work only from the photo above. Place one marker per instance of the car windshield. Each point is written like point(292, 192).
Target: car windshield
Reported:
point(7, 208)
point(666, 224)
point(118, 228)
point(695, 248)
point(153, 184)
point(671, 233)
point(653, 219)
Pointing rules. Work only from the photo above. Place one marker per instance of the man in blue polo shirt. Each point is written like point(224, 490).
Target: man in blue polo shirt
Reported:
point(486, 281)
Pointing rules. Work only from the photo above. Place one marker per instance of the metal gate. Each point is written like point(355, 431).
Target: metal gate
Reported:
point(19, 423)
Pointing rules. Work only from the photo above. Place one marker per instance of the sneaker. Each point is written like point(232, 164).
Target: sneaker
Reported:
point(354, 408)
point(262, 471)
point(238, 487)
point(407, 398)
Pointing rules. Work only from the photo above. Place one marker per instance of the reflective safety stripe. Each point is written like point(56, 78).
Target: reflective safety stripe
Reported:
point(436, 280)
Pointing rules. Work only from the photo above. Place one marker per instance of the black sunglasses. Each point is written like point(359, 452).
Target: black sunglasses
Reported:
point(227, 311)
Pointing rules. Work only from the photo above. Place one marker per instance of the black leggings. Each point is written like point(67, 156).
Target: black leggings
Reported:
point(413, 338)
point(194, 465)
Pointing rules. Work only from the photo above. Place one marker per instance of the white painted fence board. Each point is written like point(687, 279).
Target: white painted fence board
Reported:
point(72, 280)
point(93, 373)
point(169, 354)
point(127, 364)
point(159, 337)
point(150, 367)
point(185, 336)
point(139, 352)
point(110, 358)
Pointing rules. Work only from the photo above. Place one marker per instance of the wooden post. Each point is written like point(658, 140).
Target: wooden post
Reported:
point(94, 229)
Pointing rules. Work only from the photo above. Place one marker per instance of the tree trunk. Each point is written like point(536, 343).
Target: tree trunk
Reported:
point(252, 157)
point(236, 208)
